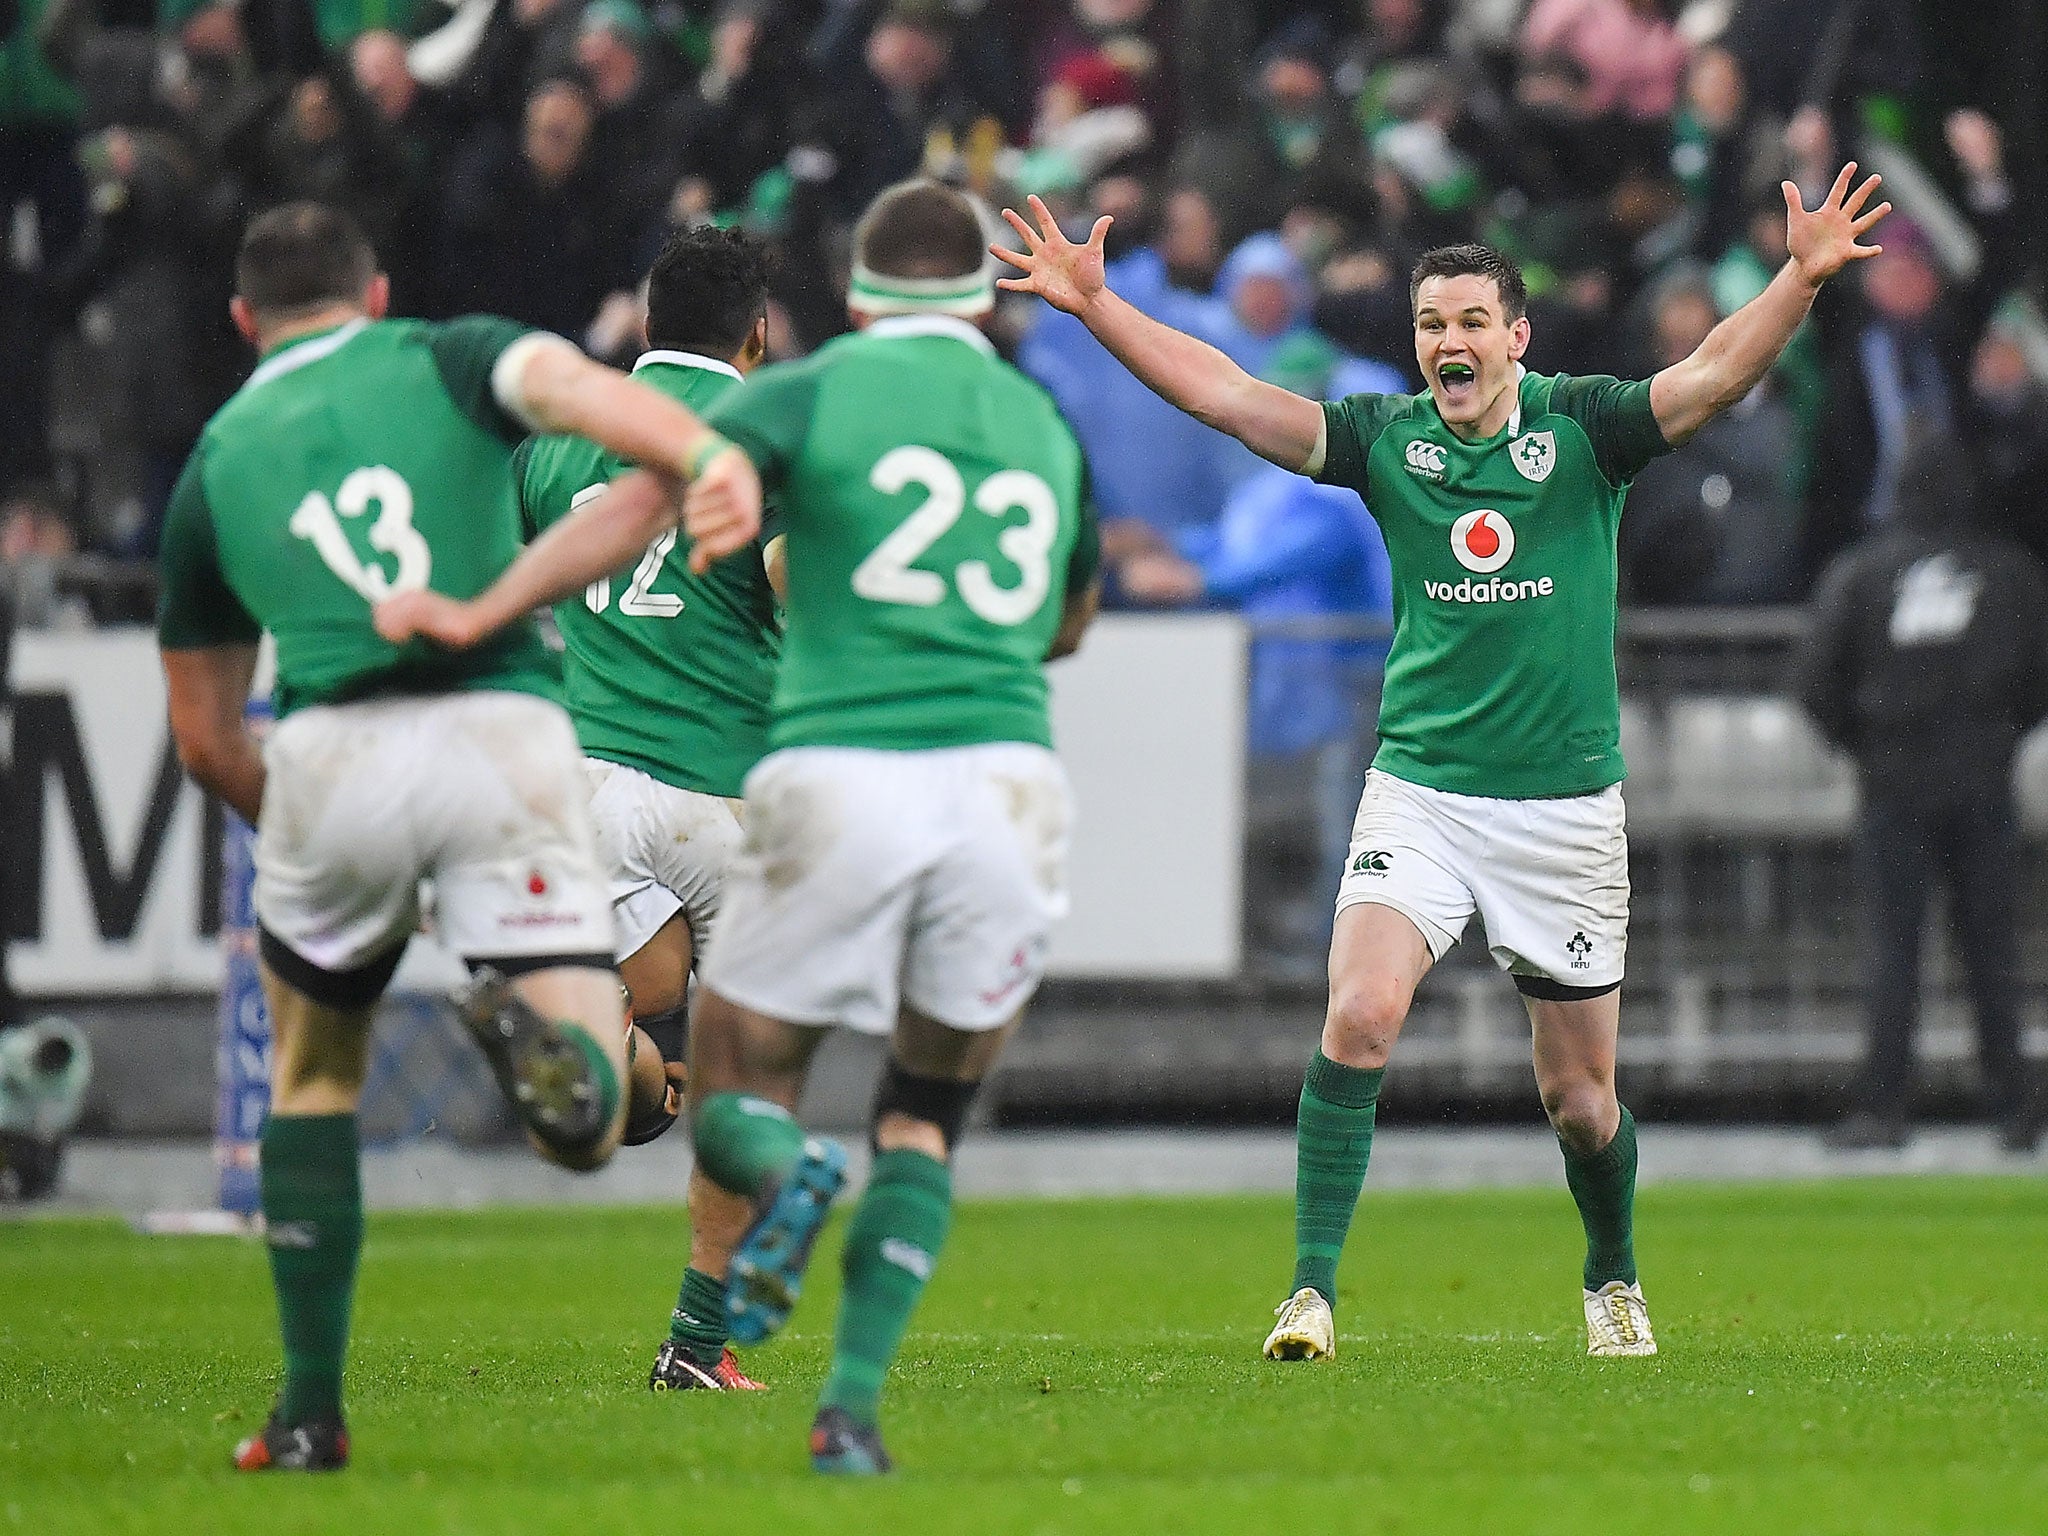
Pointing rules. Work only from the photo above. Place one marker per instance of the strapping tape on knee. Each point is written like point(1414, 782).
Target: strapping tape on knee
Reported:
point(939, 1101)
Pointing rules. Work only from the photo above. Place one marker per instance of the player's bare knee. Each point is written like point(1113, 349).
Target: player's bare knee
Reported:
point(918, 1113)
point(1364, 1020)
point(1582, 1111)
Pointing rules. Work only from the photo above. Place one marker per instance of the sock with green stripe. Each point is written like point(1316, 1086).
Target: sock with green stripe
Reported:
point(746, 1144)
point(1333, 1142)
point(602, 1071)
point(698, 1323)
point(892, 1245)
point(313, 1220)
point(1604, 1185)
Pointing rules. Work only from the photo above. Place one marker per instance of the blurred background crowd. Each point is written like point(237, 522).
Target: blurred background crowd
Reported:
point(1274, 166)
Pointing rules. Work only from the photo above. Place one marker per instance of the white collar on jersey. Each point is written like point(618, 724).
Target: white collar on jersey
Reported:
point(297, 354)
point(1515, 416)
point(932, 325)
point(686, 360)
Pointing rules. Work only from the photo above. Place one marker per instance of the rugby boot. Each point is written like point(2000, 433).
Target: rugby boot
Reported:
point(319, 1445)
point(767, 1271)
point(675, 1371)
point(1306, 1330)
point(1617, 1321)
point(844, 1447)
point(551, 1084)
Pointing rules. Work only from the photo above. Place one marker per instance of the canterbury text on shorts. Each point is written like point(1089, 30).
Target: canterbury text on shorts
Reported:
point(938, 872)
point(482, 793)
point(1548, 877)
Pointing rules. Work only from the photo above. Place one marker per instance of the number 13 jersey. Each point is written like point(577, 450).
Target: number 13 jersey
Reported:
point(355, 462)
point(934, 504)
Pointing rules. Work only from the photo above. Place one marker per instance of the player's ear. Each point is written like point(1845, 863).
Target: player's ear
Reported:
point(1518, 337)
point(757, 342)
point(244, 317)
point(377, 297)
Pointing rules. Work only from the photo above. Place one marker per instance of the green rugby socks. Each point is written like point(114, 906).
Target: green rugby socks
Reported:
point(1604, 1185)
point(746, 1144)
point(313, 1219)
point(892, 1246)
point(698, 1323)
point(1333, 1135)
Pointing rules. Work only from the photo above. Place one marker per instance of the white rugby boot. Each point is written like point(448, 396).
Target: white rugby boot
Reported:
point(1306, 1330)
point(1618, 1321)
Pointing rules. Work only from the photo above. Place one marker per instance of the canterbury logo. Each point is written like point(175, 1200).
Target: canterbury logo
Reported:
point(1426, 459)
point(907, 1256)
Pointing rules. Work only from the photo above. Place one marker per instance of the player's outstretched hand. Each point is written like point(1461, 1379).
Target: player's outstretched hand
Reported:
point(1824, 241)
point(1067, 276)
point(441, 619)
point(722, 511)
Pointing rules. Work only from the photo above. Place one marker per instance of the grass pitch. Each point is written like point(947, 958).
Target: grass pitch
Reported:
point(1863, 1357)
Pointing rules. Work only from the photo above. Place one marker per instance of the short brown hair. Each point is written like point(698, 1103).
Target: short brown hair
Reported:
point(921, 229)
point(301, 256)
point(1474, 261)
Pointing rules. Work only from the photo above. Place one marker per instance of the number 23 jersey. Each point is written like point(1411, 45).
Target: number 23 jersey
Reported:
point(355, 462)
point(934, 504)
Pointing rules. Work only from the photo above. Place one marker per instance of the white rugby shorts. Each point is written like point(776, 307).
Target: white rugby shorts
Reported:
point(1549, 878)
point(667, 851)
point(480, 792)
point(870, 879)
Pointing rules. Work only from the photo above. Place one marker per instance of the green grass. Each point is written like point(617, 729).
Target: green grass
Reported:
point(1862, 1357)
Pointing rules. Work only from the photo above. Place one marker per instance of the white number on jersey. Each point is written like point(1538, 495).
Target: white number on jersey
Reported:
point(888, 575)
point(640, 601)
point(318, 520)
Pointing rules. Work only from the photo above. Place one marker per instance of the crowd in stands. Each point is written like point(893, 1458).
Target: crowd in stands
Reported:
point(1274, 168)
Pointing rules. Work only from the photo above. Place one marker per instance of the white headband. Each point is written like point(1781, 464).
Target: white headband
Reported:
point(970, 295)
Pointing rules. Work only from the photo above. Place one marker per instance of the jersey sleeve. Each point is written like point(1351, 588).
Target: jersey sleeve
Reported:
point(523, 487)
point(1616, 417)
point(465, 351)
point(1351, 425)
point(769, 416)
point(196, 608)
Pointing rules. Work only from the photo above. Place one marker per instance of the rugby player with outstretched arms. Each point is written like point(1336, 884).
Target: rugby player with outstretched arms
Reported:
point(367, 456)
point(906, 836)
point(1495, 788)
point(668, 674)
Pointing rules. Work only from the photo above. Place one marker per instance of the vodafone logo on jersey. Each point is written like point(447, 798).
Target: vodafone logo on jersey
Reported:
point(1483, 541)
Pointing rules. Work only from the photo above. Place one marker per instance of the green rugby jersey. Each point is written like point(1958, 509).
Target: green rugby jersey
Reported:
point(1501, 678)
point(356, 462)
point(933, 500)
point(667, 672)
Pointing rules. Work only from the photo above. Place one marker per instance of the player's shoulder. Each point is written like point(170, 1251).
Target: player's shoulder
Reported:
point(1573, 394)
point(1370, 413)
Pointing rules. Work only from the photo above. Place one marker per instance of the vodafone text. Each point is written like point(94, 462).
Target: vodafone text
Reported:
point(1491, 591)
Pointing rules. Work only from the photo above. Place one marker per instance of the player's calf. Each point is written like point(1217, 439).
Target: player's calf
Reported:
point(560, 1082)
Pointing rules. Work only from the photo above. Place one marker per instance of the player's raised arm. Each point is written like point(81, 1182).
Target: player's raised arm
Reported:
point(552, 387)
point(1274, 423)
point(603, 535)
point(1741, 349)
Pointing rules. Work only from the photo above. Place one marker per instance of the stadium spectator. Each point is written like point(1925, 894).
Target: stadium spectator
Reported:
point(1295, 132)
point(641, 114)
point(36, 540)
point(1149, 463)
point(1903, 362)
point(1627, 55)
point(39, 120)
point(535, 231)
point(1926, 661)
point(2008, 431)
point(1714, 521)
point(1286, 549)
